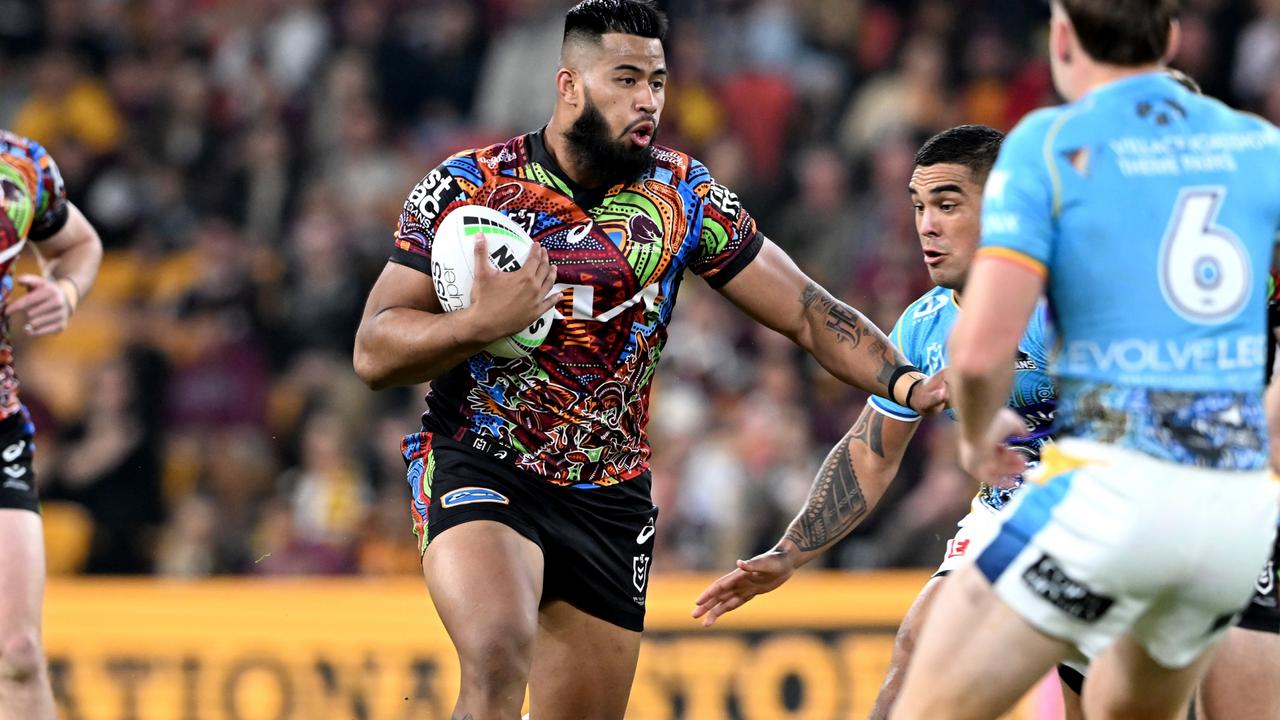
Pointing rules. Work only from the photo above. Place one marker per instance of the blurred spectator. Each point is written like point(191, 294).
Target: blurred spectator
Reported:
point(427, 62)
point(110, 464)
point(1271, 100)
point(521, 64)
point(1258, 54)
point(220, 375)
point(328, 492)
point(819, 229)
point(915, 96)
point(187, 545)
point(694, 116)
point(68, 106)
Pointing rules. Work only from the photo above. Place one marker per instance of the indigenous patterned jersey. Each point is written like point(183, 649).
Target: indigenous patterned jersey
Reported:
point(1154, 212)
point(575, 410)
point(921, 334)
point(35, 208)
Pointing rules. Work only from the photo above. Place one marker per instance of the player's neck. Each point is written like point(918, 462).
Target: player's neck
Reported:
point(1097, 75)
point(558, 148)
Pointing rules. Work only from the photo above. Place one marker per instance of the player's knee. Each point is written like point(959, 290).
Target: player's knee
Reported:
point(20, 657)
point(904, 644)
point(499, 661)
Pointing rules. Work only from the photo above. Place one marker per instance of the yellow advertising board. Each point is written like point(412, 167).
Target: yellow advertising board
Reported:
point(353, 649)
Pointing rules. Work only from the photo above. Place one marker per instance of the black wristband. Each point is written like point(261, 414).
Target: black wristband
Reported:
point(910, 390)
point(893, 379)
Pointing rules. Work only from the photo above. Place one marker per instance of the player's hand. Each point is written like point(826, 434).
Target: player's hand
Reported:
point(760, 574)
point(504, 303)
point(45, 304)
point(930, 396)
point(993, 461)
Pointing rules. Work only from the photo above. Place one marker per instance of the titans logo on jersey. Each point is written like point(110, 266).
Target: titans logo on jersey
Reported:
point(575, 410)
point(1155, 231)
point(921, 334)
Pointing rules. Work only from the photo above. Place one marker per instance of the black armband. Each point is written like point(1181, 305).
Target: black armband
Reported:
point(910, 390)
point(893, 380)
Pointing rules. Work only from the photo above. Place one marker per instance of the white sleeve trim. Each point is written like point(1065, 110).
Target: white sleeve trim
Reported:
point(891, 414)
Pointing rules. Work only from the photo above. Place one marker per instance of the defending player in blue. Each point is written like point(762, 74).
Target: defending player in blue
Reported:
point(1148, 214)
point(946, 192)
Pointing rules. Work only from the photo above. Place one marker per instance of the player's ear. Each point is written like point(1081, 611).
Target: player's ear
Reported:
point(568, 87)
point(1175, 41)
point(1060, 39)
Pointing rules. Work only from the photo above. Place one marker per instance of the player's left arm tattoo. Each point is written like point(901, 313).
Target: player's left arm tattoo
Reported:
point(836, 503)
point(852, 480)
point(869, 430)
point(848, 326)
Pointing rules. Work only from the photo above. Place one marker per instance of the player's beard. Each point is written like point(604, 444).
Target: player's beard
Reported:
point(602, 158)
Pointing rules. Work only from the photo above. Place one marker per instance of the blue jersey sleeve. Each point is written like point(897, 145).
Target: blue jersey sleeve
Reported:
point(1039, 338)
point(901, 337)
point(1019, 202)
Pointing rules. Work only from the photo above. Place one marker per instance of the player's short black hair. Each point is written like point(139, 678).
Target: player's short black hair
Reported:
point(1123, 32)
point(973, 146)
point(590, 19)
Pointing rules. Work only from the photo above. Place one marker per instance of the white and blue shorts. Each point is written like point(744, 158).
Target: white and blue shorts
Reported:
point(1104, 541)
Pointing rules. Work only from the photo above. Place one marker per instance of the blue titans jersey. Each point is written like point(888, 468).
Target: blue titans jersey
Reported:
point(921, 334)
point(1153, 212)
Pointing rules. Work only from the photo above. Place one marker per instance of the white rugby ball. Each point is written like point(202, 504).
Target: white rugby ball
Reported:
point(453, 267)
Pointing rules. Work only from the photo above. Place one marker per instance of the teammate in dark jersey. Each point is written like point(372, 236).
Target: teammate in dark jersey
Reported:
point(530, 476)
point(35, 208)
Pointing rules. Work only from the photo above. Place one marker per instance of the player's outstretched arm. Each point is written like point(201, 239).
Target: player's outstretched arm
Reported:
point(71, 260)
point(406, 338)
point(847, 488)
point(773, 291)
point(999, 298)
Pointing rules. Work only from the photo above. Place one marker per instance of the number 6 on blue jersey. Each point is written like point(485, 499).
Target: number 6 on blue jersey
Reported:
point(1204, 268)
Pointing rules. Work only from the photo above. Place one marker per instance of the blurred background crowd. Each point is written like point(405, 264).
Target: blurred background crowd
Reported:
point(245, 162)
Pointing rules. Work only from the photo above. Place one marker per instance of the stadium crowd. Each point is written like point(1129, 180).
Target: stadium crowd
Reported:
point(245, 161)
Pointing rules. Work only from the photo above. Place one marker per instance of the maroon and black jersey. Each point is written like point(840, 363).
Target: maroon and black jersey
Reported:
point(575, 410)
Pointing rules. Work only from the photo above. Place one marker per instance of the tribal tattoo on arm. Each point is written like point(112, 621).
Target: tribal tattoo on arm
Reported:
point(836, 502)
point(847, 325)
point(869, 429)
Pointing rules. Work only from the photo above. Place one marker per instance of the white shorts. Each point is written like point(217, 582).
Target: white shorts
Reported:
point(971, 532)
point(1105, 541)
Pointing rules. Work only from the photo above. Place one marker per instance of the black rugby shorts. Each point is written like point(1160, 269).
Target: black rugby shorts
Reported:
point(597, 543)
point(17, 476)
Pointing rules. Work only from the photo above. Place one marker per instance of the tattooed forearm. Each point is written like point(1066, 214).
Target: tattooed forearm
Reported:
point(835, 505)
point(869, 430)
point(811, 294)
point(841, 320)
point(888, 363)
point(848, 325)
point(467, 716)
